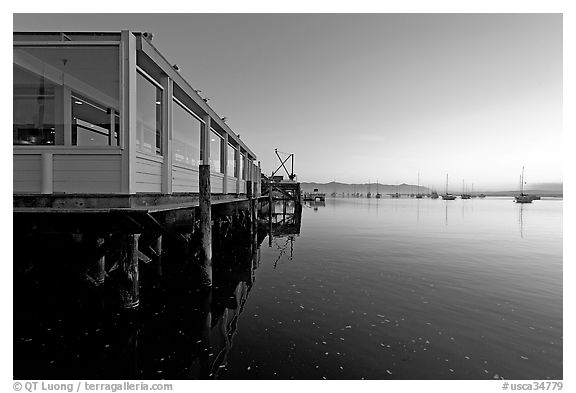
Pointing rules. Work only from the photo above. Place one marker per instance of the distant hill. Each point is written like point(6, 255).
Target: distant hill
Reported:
point(340, 188)
point(542, 189)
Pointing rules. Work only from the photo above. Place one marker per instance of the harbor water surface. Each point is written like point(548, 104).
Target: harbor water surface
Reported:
point(370, 288)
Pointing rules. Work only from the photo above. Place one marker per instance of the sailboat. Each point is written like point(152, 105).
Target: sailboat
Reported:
point(522, 198)
point(447, 196)
point(464, 195)
point(369, 194)
point(419, 195)
point(378, 195)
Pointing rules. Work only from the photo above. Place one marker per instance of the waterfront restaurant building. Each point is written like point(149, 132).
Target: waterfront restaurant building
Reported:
point(106, 113)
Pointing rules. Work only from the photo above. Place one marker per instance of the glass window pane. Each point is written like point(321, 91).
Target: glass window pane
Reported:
point(93, 124)
point(215, 152)
point(45, 76)
point(149, 116)
point(186, 136)
point(231, 161)
point(34, 111)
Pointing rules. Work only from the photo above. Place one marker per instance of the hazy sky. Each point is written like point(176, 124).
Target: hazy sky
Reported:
point(360, 97)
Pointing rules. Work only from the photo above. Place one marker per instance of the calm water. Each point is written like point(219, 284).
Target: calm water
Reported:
point(374, 289)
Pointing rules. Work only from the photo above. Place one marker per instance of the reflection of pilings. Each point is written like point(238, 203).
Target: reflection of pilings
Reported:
point(127, 333)
point(100, 266)
point(205, 344)
point(128, 264)
point(230, 329)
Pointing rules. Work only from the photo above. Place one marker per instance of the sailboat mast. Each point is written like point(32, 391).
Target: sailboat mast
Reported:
point(418, 183)
point(446, 183)
point(522, 182)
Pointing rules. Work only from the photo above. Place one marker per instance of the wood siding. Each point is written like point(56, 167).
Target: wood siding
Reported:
point(148, 173)
point(89, 173)
point(27, 173)
point(232, 185)
point(217, 183)
point(184, 179)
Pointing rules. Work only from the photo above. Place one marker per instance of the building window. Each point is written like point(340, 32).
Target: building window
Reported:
point(241, 169)
point(186, 130)
point(245, 167)
point(216, 152)
point(34, 111)
point(231, 161)
point(93, 124)
point(149, 116)
point(46, 81)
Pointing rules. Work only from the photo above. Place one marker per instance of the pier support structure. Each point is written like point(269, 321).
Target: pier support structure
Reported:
point(129, 283)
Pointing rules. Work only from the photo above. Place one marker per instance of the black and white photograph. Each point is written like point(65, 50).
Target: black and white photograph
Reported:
point(282, 196)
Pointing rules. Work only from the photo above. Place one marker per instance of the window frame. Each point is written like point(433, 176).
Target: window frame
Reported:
point(221, 142)
point(202, 123)
point(147, 76)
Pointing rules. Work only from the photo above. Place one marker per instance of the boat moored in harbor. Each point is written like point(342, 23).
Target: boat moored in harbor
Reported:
point(447, 196)
point(522, 198)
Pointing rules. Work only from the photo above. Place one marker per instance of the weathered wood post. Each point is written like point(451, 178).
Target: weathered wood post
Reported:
point(270, 214)
point(253, 215)
point(129, 284)
point(250, 196)
point(205, 210)
point(157, 249)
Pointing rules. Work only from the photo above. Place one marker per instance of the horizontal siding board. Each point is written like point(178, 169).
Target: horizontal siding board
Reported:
point(86, 165)
point(84, 176)
point(99, 187)
point(151, 167)
point(25, 187)
point(147, 178)
point(27, 176)
point(147, 187)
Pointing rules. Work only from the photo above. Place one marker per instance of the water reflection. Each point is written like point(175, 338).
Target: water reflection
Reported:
point(349, 295)
point(314, 204)
point(521, 219)
point(66, 329)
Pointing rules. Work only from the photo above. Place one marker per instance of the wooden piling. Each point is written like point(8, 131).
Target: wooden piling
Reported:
point(129, 285)
point(270, 214)
point(205, 227)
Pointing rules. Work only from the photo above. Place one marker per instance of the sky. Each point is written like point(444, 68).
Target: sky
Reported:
point(367, 97)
